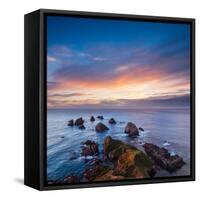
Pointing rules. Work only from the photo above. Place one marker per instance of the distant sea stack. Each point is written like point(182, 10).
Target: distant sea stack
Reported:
point(71, 122)
point(100, 127)
point(79, 121)
point(92, 119)
point(131, 129)
point(112, 121)
point(100, 117)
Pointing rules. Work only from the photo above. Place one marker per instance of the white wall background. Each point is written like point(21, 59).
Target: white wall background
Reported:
point(11, 98)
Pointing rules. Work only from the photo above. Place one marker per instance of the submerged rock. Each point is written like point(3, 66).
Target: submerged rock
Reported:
point(112, 121)
point(81, 127)
point(128, 160)
point(100, 127)
point(79, 121)
point(100, 117)
point(163, 158)
point(131, 129)
point(71, 122)
point(92, 119)
point(141, 129)
point(91, 148)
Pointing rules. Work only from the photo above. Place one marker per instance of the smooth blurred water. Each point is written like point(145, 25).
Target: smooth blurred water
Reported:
point(160, 125)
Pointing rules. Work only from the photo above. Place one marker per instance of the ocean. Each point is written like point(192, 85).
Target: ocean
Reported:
point(165, 127)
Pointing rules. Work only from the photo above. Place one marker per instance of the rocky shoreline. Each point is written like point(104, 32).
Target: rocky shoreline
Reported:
point(120, 160)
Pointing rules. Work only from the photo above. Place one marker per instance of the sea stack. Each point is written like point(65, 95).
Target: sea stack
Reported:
point(100, 127)
point(71, 122)
point(92, 119)
point(79, 121)
point(131, 129)
point(112, 121)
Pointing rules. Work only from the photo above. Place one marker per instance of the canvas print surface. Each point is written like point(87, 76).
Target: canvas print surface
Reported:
point(118, 100)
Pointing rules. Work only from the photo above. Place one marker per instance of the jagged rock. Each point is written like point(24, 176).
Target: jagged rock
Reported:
point(95, 172)
point(71, 179)
point(141, 129)
point(79, 121)
point(131, 129)
point(91, 148)
point(81, 127)
point(112, 121)
point(163, 158)
point(129, 161)
point(100, 117)
point(71, 122)
point(100, 127)
point(92, 119)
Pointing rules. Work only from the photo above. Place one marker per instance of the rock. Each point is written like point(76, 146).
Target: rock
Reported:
point(71, 179)
point(163, 158)
point(109, 176)
point(128, 160)
point(91, 148)
point(141, 129)
point(112, 121)
point(79, 121)
point(100, 127)
point(95, 172)
point(71, 122)
point(131, 129)
point(100, 117)
point(92, 119)
point(81, 127)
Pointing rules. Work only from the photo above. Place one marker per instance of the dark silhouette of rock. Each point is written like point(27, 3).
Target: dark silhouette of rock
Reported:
point(92, 119)
point(128, 160)
point(91, 148)
point(100, 127)
point(71, 179)
point(163, 158)
point(141, 129)
point(131, 129)
point(81, 127)
point(79, 121)
point(112, 121)
point(100, 117)
point(71, 122)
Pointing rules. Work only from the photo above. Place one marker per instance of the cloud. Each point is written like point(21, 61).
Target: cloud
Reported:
point(51, 59)
point(152, 102)
point(67, 95)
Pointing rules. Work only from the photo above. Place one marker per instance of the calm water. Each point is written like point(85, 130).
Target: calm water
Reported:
point(160, 125)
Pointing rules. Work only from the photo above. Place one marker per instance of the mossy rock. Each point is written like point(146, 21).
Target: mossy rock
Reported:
point(128, 160)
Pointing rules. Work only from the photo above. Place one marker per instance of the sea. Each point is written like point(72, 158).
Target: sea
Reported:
point(165, 127)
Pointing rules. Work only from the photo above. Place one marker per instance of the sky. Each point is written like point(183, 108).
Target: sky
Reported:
point(101, 63)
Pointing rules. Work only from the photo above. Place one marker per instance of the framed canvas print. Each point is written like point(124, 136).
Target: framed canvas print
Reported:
point(109, 99)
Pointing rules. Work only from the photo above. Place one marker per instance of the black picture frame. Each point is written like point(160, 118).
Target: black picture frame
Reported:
point(35, 97)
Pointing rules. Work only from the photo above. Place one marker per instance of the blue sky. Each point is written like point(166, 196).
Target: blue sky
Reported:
point(92, 61)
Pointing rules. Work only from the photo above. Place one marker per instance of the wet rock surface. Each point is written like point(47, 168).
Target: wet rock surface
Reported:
point(163, 158)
